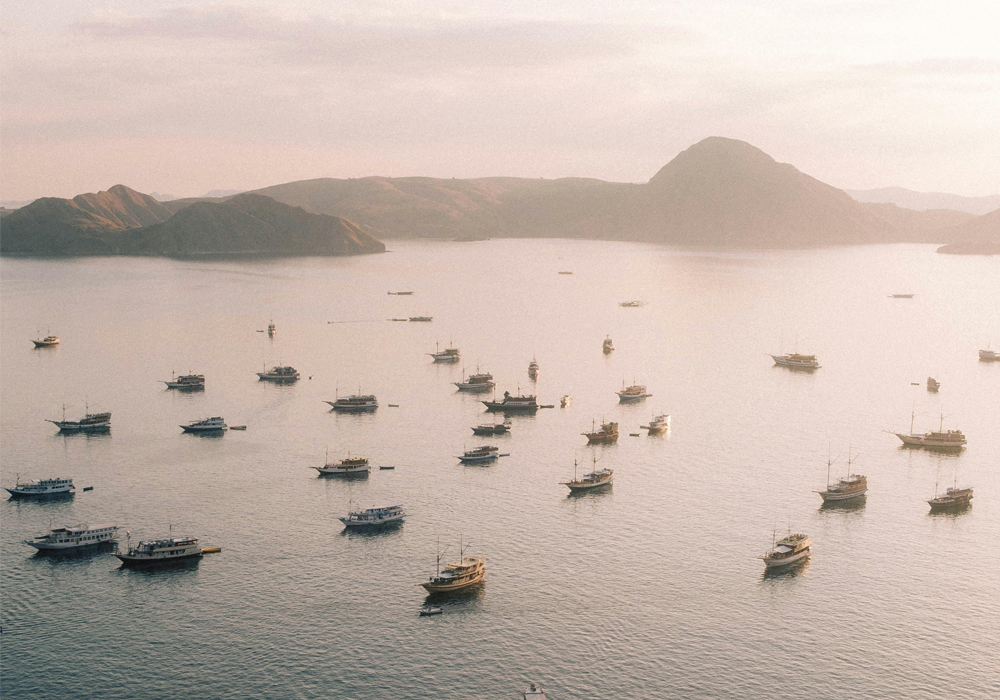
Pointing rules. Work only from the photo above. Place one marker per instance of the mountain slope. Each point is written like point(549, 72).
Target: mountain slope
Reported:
point(980, 236)
point(921, 201)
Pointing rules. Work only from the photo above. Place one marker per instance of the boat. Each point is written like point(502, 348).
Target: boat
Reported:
point(533, 369)
point(467, 571)
point(933, 384)
point(450, 354)
point(186, 381)
point(566, 401)
point(237, 427)
point(632, 304)
point(480, 455)
point(597, 478)
point(63, 538)
point(940, 439)
point(657, 424)
point(565, 272)
point(159, 552)
point(42, 488)
point(636, 392)
point(845, 489)
point(399, 294)
point(428, 611)
point(351, 466)
point(476, 383)
point(90, 423)
point(279, 374)
point(952, 499)
point(608, 347)
point(421, 319)
point(989, 355)
point(492, 428)
point(534, 692)
point(355, 403)
point(46, 342)
point(271, 329)
point(606, 435)
point(796, 361)
point(214, 424)
point(510, 404)
point(787, 550)
point(373, 517)
point(900, 296)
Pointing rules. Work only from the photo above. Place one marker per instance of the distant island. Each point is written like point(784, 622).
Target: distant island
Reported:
point(720, 193)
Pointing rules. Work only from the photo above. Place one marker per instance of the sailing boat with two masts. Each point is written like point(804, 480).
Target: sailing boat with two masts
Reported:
point(456, 575)
point(594, 480)
point(849, 487)
point(953, 499)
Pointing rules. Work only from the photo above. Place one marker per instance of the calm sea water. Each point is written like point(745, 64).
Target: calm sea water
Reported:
point(650, 590)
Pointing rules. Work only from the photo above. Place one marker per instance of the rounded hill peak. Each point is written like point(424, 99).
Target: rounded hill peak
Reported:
point(715, 154)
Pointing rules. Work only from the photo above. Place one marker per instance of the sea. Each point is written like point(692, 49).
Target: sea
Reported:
point(650, 589)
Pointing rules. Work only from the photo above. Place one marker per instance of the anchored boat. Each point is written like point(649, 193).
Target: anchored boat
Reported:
point(356, 403)
point(205, 425)
point(636, 392)
point(477, 383)
point(796, 361)
point(90, 423)
point(351, 466)
point(787, 550)
point(935, 440)
point(533, 369)
point(492, 428)
point(595, 479)
point(450, 353)
point(189, 382)
point(279, 374)
point(46, 342)
point(373, 517)
point(480, 455)
point(42, 488)
point(606, 435)
point(657, 424)
point(608, 347)
point(148, 553)
point(989, 355)
point(513, 404)
point(467, 571)
point(850, 487)
point(66, 538)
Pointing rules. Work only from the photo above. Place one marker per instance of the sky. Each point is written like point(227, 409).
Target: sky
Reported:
point(182, 98)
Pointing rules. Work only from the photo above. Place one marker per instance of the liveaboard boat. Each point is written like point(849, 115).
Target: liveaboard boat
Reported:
point(355, 403)
point(533, 369)
point(513, 404)
point(188, 382)
point(467, 571)
point(952, 499)
point(597, 478)
point(933, 384)
point(279, 374)
point(148, 553)
point(796, 361)
point(657, 424)
point(636, 392)
point(90, 423)
point(787, 550)
point(373, 517)
point(477, 383)
point(480, 455)
point(607, 434)
point(349, 466)
point(492, 428)
point(850, 487)
point(608, 347)
point(450, 353)
point(940, 439)
point(66, 538)
point(46, 342)
point(205, 425)
point(43, 488)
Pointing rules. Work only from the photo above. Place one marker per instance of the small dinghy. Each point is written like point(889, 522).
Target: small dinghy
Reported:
point(428, 611)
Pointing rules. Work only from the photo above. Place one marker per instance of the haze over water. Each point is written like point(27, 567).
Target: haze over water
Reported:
point(649, 590)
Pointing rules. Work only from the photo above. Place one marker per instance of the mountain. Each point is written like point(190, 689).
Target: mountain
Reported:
point(159, 197)
point(920, 201)
point(88, 224)
point(928, 226)
point(220, 193)
point(980, 236)
point(249, 224)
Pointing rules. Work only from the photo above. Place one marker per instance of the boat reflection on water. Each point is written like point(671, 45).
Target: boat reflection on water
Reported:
point(790, 571)
point(171, 567)
point(853, 504)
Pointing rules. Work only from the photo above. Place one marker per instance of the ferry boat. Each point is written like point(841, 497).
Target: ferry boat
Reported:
point(787, 550)
point(939, 440)
point(595, 479)
point(450, 353)
point(796, 361)
point(42, 488)
point(533, 369)
point(158, 552)
point(46, 342)
point(606, 435)
point(64, 538)
point(215, 423)
point(492, 429)
point(271, 329)
point(351, 466)
point(657, 424)
point(480, 455)
point(476, 383)
point(421, 319)
point(989, 355)
point(467, 571)
point(90, 423)
point(933, 384)
point(186, 381)
point(845, 489)
point(510, 404)
point(374, 517)
point(951, 499)
point(356, 403)
point(534, 692)
point(279, 374)
point(609, 347)
point(636, 392)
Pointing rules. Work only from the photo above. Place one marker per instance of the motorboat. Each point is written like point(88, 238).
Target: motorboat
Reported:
point(214, 424)
point(636, 392)
point(480, 455)
point(492, 428)
point(90, 423)
point(373, 517)
point(428, 611)
point(421, 319)
point(46, 342)
point(450, 354)
point(566, 401)
point(189, 382)
point(635, 303)
point(607, 434)
point(989, 355)
point(76, 537)
point(608, 346)
point(787, 550)
point(477, 383)
point(356, 403)
point(149, 553)
point(796, 361)
point(350, 466)
point(279, 374)
point(513, 404)
point(43, 488)
point(271, 330)
point(657, 424)
point(533, 369)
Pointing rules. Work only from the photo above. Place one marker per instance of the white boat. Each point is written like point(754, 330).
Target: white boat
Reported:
point(533, 369)
point(90, 423)
point(636, 392)
point(632, 304)
point(356, 403)
point(566, 401)
point(787, 551)
point(46, 342)
point(657, 424)
point(41, 488)
point(279, 374)
point(513, 404)
point(486, 453)
point(989, 355)
point(450, 353)
point(796, 361)
point(374, 517)
point(351, 466)
point(534, 692)
point(608, 346)
point(216, 423)
point(940, 439)
point(467, 571)
point(850, 487)
point(476, 383)
point(186, 381)
point(429, 610)
point(156, 552)
point(64, 538)
point(597, 478)
point(900, 296)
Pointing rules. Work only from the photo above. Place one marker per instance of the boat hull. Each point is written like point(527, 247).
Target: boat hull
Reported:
point(622, 398)
point(357, 525)
point(600, 439)
point(478, 460)
point(15, 493)
point(786, 561)
point(928, 443)
point(203, 429)
point(343, 472)
point(64, 546)
point(832, 497)
point(340, 408)
point(498, 407)
point(280, 379)
point(578, 488)
point(782, 362)
point(152, 562)
point(184, 386)
point(69, 427)
point(43, 344)
point(475, 388)
point(452, 587)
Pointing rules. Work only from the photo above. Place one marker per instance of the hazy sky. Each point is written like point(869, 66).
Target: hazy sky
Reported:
point(181, 97)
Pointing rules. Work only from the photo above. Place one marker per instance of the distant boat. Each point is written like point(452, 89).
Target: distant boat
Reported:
point(608, 347)
point(636, 392)
point(351, 466)
point(374, 517)
point(940, 439)
point(598, 478)
point(400, 294)
point(566, 401)
point(606, 435)
point(467, 571)
point(356, 403)
point(900, 296)
point(933, 384)
point(450, 353)
point(271, 329)
point(492, 429)
point(850, 487)
point(422, 319)
point(952, 499)
point(215, 424)
point(189, 382)
point(76, 537)
point(279, 374)
point(512, 404)
point(796, 361)
point(149, 553)
point(46, 342)
point(480, 455)
point(476, 383)
point(428, 611)
point(657, 424)
point(989, 355)
point(787, 550)
point(533, 369)
point(534, 692)
point(90, 423)
point(43, 488)
point(632, 304)
point(565, 272)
